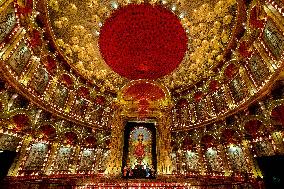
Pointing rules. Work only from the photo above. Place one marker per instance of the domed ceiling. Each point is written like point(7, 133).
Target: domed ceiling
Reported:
point(74, 58)
point(143, 39)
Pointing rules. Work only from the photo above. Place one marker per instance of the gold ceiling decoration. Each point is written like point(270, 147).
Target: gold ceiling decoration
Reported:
point(208, 23)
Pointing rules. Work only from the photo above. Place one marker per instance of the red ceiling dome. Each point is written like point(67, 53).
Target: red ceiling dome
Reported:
point(142, 90)
point(143, 41)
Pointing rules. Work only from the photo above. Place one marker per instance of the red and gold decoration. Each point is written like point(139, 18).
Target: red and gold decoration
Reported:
point(144, 98)
point(143, 41)
point(207, 74)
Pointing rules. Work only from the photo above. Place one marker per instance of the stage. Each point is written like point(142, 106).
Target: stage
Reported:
point(95, 182)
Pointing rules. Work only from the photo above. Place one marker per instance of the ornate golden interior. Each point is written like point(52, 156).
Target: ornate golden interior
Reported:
point(209, 25)
point(63, 111)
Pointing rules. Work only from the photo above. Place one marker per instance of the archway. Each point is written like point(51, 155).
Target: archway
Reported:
point(139, 150)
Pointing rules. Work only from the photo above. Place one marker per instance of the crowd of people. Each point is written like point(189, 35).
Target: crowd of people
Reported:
point(139, 171)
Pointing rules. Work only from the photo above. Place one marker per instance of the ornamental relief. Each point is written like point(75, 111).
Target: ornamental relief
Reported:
point(40, 80)
point(7, 21)
point(19, 59)
point(274, 39)
point(258, 69)
point(8, 142)
point(237, 89)
point(36, 157)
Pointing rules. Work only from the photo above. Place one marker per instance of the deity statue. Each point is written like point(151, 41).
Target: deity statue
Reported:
point(139, 150)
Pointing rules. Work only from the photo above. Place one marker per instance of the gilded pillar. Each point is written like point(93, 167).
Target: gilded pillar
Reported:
point(164, 163)
point(14, 170)
point(114, 160)
point(51, 157)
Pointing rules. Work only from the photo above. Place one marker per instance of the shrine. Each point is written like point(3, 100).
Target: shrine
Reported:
point(141, 94)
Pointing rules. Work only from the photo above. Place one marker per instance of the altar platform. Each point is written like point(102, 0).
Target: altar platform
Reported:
point(164, 182)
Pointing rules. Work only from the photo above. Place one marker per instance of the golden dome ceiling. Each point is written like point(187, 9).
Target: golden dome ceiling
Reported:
point(209, 25)
point(51, 54)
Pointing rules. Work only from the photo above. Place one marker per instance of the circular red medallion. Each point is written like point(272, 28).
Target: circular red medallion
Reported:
point(143, 41)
